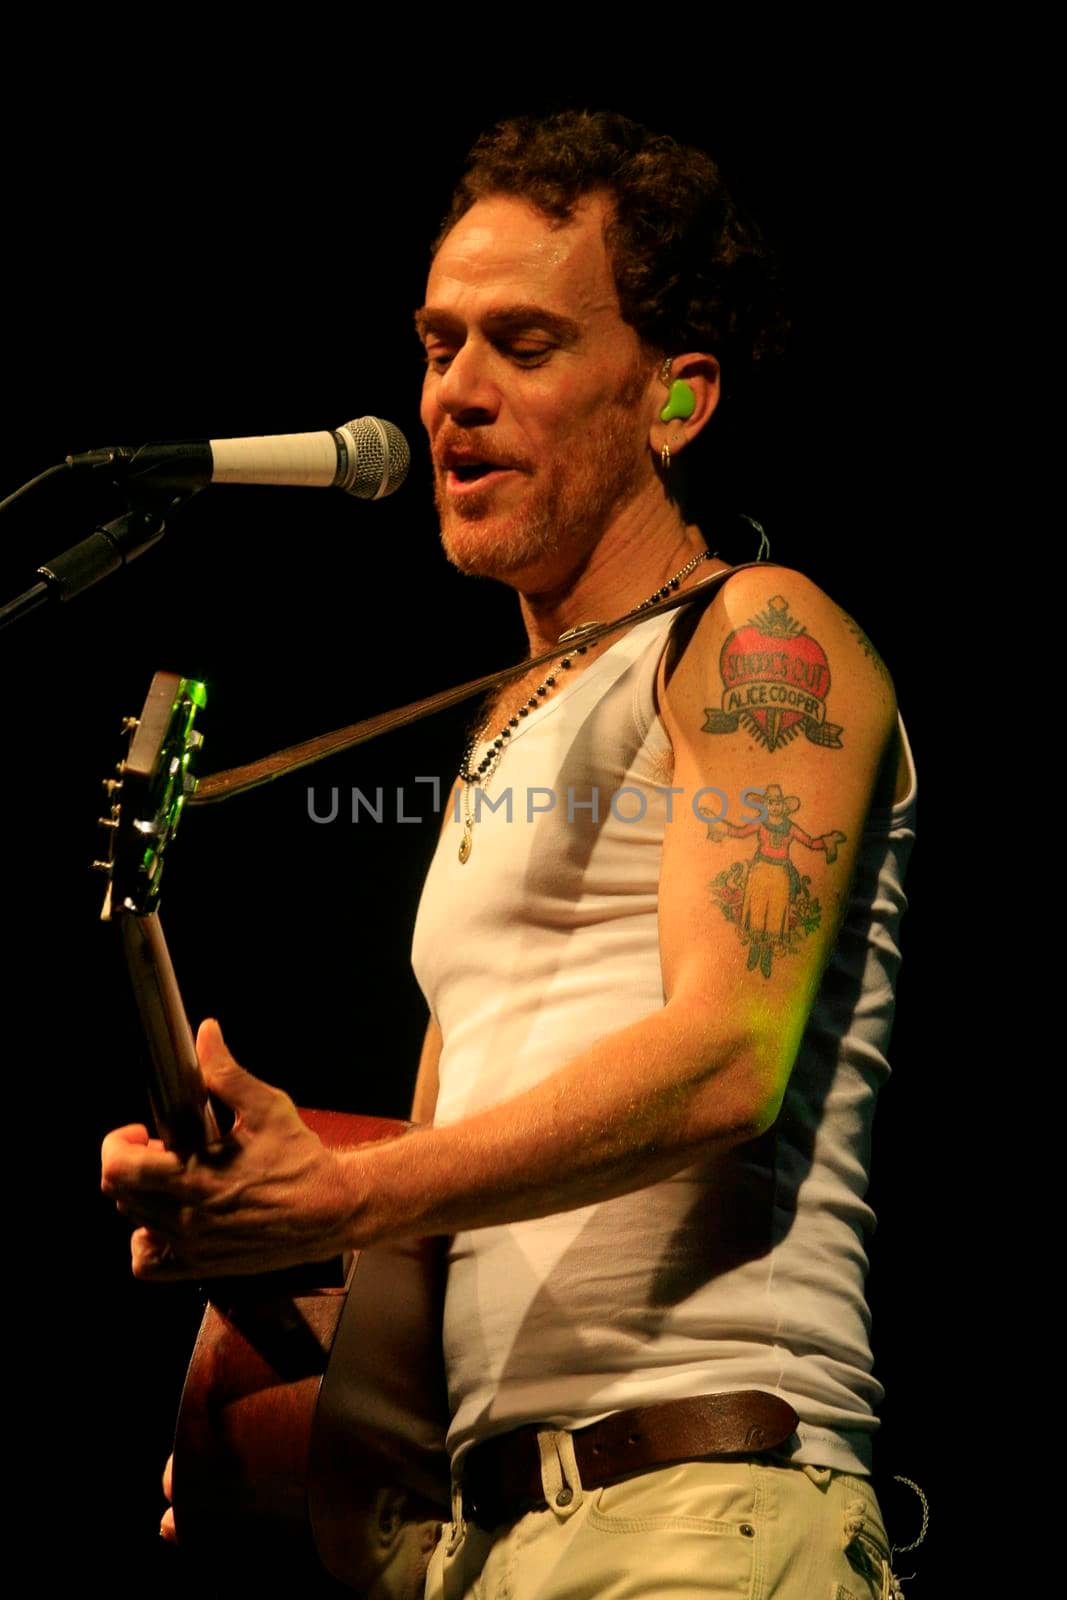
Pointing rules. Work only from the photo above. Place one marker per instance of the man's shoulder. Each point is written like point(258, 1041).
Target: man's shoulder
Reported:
point(792, 596)
point(769, 622)
point(773, 656)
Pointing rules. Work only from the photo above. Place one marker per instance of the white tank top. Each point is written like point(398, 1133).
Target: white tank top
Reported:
point(744, 1272)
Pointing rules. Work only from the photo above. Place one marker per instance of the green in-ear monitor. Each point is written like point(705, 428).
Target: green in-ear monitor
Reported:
point(681, 402)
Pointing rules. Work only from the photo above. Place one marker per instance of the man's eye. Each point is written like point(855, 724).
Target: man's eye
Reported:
point(438, 359)
point(530, 355)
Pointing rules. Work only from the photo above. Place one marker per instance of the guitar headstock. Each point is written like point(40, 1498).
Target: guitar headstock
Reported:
point(149, 792)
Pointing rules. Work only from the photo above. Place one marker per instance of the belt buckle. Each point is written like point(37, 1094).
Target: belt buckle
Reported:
point(475, 1503)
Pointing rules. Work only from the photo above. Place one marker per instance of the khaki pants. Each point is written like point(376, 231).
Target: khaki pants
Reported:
point(701, 1530)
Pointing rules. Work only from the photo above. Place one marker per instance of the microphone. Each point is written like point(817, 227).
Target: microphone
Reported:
point(368, 458)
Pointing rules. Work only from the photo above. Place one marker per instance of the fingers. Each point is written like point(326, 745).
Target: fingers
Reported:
point(159, 1257)
point(227, 1208)
point(153, 1259)
point(129, 1160)
point(167, 1529)
point(163, 1213)
point(217, 1064)
point(252, 1099)
point(132, 1133)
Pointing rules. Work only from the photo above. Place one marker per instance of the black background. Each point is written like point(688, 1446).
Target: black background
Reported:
point(229, 250)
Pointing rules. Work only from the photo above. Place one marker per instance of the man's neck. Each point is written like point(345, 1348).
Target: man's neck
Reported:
point(635, 557)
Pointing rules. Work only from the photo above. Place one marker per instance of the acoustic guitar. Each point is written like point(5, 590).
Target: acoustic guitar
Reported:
point(310, 1439)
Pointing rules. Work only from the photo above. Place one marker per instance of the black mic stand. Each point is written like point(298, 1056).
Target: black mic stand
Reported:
point(108, 548)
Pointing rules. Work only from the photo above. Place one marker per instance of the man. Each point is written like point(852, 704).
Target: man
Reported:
point(649, 1067)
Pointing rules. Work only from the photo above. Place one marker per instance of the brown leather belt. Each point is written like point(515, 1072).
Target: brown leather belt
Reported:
point(502, 1477)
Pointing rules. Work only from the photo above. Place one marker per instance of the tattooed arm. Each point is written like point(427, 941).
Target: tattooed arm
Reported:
point(717, 831)
point(744, 932)
point(776, 692)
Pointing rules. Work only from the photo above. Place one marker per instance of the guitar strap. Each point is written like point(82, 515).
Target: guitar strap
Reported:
point(237, 780)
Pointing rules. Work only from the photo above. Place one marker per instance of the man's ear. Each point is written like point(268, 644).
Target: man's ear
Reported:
point(689, 387)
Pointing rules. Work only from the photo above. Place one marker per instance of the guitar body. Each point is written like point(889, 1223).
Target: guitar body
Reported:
point(310, 1438)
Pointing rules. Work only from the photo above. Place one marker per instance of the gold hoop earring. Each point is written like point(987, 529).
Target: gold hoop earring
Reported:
point(665, 370)
point(665, 457)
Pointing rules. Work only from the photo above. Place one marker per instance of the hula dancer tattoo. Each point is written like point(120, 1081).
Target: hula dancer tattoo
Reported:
point(767, 899)
point(775, 681)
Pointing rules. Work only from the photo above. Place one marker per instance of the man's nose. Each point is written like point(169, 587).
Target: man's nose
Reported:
point(467, 392)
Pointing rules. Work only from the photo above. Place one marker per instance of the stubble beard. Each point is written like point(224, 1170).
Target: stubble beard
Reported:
point(568, 507)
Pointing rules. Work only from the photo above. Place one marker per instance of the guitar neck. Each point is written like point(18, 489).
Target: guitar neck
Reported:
point(180, 1105)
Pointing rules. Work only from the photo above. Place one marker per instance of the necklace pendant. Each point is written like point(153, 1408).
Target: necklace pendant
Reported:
point(466, 842)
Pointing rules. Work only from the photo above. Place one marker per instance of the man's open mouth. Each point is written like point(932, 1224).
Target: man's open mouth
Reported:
point(465, 468)
point(464, 474)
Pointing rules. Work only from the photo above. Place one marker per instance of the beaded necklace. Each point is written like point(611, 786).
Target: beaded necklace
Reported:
point(473, 778)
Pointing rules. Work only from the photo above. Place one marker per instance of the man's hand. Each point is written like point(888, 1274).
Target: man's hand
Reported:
point(167, 1530)
point(268, 1195)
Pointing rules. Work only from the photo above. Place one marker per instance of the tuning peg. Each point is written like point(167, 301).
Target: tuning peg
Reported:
point(194, 739)
point(100, 866)
point(106, 822)
point(129, 724)
point(112, 786)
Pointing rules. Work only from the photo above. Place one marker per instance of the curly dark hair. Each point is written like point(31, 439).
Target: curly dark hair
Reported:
point(691, 272)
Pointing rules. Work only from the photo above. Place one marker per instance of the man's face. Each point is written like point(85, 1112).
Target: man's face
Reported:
point(537, 395)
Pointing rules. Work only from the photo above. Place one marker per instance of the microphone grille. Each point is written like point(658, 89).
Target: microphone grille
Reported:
point(378, 458)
